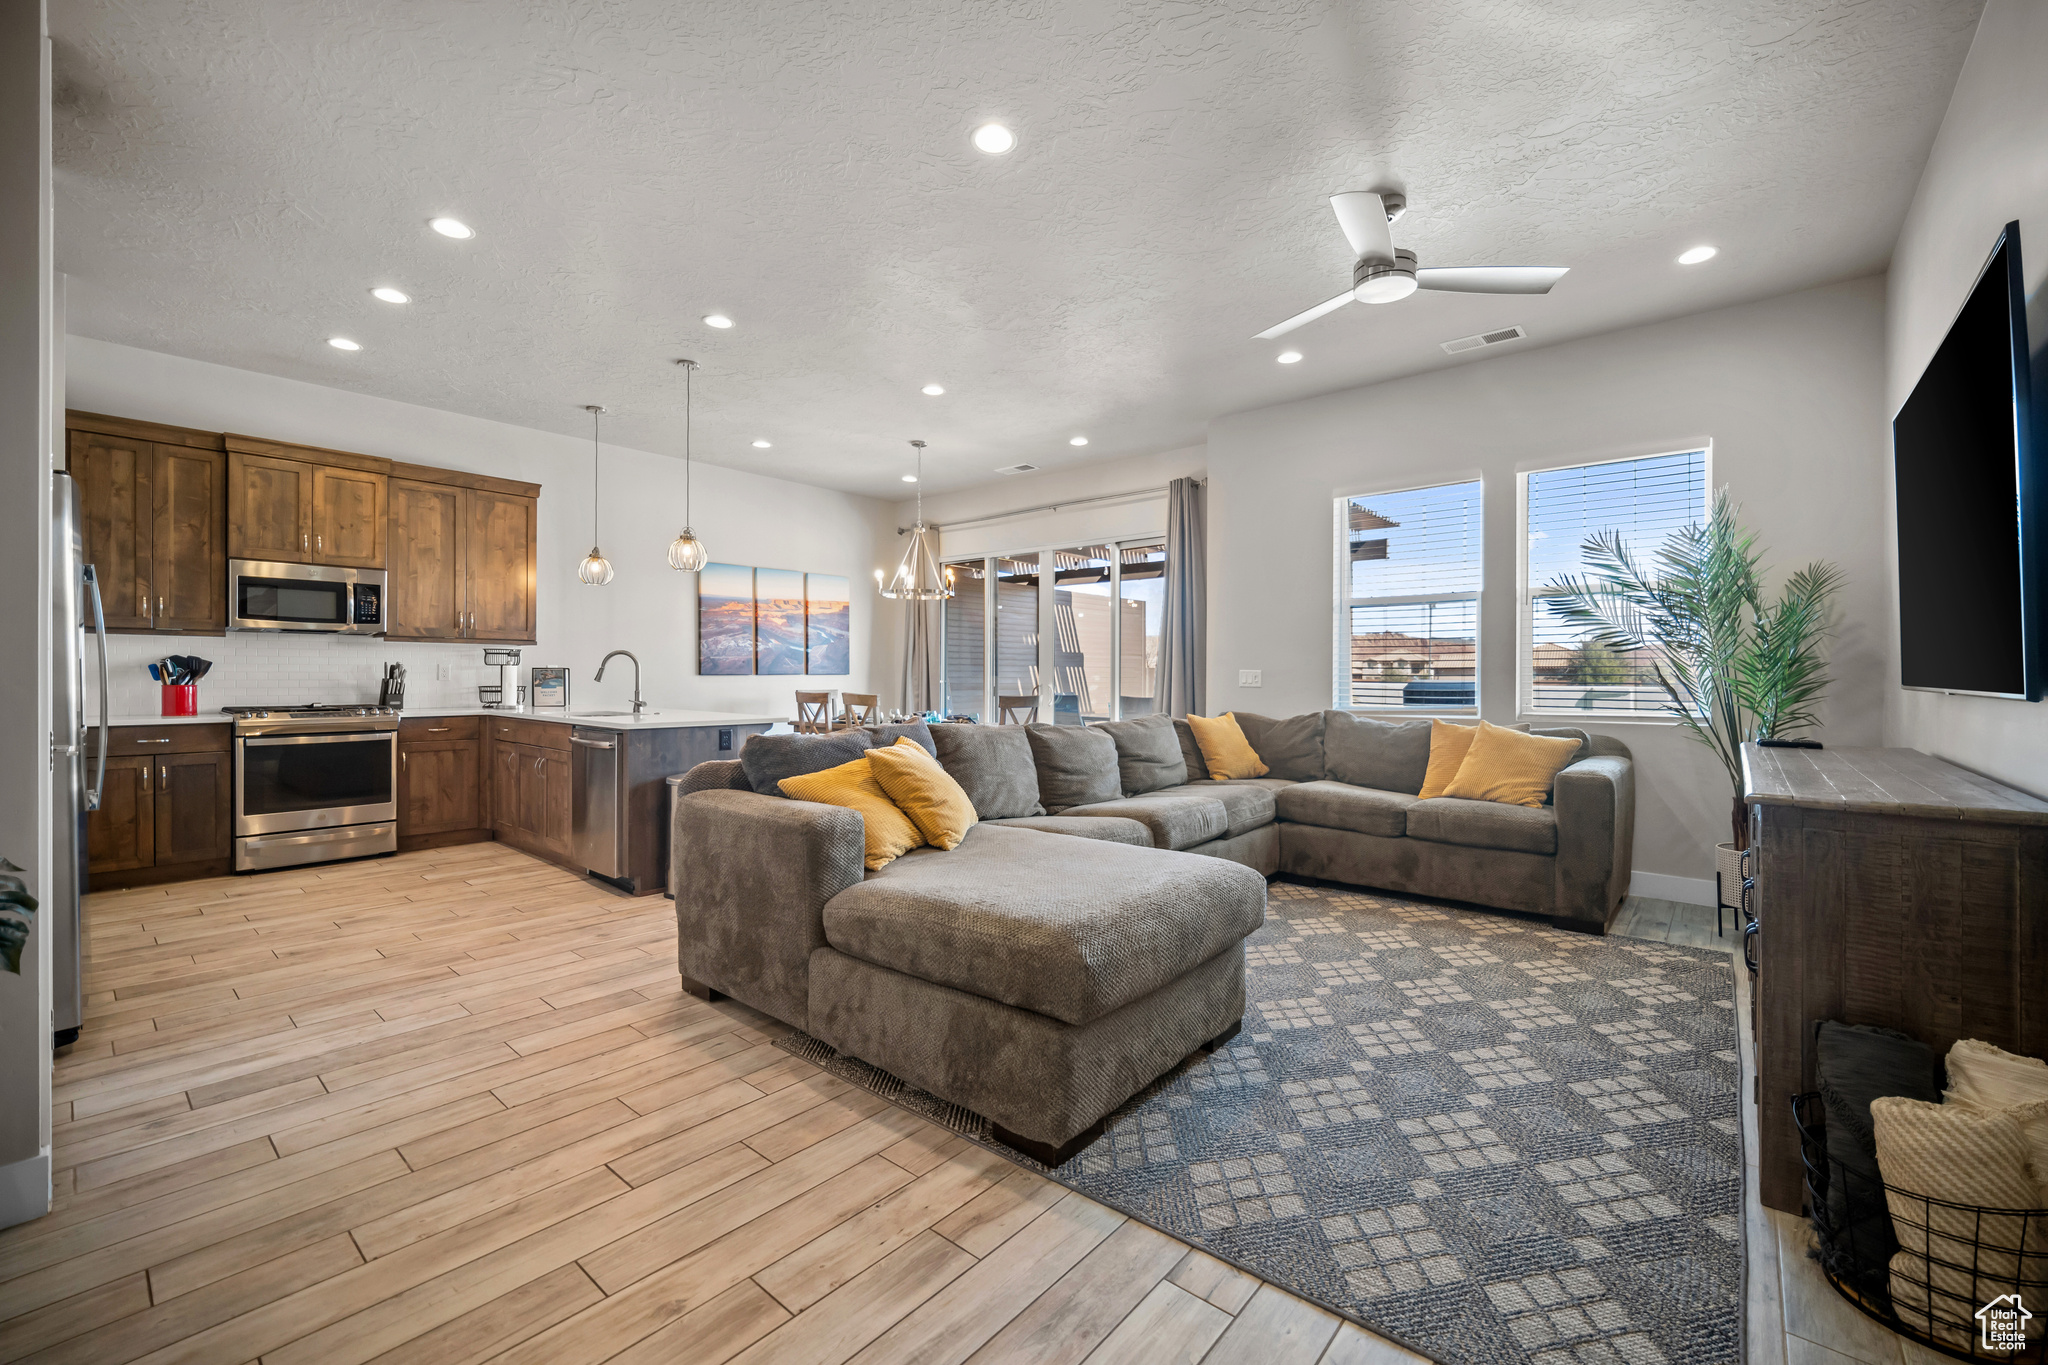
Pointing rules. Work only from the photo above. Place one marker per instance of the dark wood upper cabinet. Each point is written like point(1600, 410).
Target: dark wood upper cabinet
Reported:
point(348, 517)
point(189, 540)
point(501, 566)
point(270, 508)
point(429, 572)
point(194, 820)
point(113, 474)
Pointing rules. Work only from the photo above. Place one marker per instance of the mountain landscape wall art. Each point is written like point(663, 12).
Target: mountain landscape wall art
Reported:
point(778, 621)
point(725, 620)
point(827, 613)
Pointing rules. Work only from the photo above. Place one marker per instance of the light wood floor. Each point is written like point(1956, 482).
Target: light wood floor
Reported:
point(452, 1106)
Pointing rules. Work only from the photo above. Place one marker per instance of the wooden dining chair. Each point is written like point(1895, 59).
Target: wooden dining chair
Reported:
point(1017, 710)
point(861, 708)
point(813, 713)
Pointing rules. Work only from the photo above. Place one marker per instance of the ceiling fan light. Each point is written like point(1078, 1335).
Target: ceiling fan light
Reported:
point(686, 553)
point(595, 569)
point(1391, 287)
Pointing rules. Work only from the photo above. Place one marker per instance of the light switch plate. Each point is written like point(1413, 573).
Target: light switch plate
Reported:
point(1250, 677)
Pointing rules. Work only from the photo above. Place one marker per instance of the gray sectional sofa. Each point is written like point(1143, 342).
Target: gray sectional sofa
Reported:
point(1055, 963)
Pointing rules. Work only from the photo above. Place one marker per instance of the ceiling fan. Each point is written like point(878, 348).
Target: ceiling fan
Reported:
point(1384, 273)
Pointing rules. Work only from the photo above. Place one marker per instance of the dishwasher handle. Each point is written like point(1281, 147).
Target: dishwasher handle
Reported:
point(592, 743)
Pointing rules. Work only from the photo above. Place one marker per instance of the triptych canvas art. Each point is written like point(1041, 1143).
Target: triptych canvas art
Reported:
point(771, 621)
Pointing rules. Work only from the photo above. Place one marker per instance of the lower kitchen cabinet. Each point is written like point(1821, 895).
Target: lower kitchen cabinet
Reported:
point(530, 798)
point(442, 796)
point(163, 816)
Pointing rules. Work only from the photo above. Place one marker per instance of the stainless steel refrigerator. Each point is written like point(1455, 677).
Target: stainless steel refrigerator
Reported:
point(75, 613)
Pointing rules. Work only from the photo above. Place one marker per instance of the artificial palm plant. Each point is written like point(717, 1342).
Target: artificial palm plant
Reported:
point(1733, 665)
point(17, 907)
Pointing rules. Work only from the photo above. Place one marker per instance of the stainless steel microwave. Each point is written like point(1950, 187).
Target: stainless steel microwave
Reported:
point(266, 595)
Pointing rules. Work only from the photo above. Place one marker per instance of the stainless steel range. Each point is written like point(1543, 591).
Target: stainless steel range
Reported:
point(314, 784)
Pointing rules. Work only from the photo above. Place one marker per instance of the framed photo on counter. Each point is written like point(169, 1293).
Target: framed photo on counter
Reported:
point(550, 688)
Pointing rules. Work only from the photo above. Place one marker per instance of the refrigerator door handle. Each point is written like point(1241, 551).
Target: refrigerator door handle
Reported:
point(99, 626)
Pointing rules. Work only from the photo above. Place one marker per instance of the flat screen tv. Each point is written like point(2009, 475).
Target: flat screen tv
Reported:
point(1973, 502)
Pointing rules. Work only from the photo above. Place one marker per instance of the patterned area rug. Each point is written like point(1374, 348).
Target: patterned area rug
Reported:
point(1487, 1139)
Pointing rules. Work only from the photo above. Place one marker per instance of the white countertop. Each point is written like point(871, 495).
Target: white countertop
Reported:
point(648, 720)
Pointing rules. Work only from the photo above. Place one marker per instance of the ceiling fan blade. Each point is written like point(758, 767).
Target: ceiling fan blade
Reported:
point(1490, 279)
point(1363, 216)
point(1310, 316)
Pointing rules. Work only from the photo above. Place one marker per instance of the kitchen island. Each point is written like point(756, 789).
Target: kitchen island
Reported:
point(583, 789)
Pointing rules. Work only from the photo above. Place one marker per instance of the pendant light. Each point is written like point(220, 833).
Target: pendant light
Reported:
point(686, 552)
point(918, 578)
point(595, 568)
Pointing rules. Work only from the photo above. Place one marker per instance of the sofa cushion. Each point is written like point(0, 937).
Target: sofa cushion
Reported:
point(1290, 748)
point(1175, 822)
point(1448, 745)
point(915, 731)
point(1226, 753)
point(1190, 750)
point(1484, 824)
point(1114, 925)
point(923, 790)
point(1585, 740)
point(1084, 826)
point(767, 759)
point(1339, 805)
point(889, 833)
point(992, 764)
point(1247, 802)
point(1147, 754)
point(1512, 767)
point(1389, 756)
point(1076, 765)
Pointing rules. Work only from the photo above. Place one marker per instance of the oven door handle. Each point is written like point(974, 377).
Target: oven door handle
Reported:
point(347, 737)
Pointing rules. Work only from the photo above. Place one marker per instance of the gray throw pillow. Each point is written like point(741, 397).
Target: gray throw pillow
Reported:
point(767, 759)
point(993, 765)
point(1147, 754)
point(1190, 751)
point(1076, 765)
point(1290, 748)
point(1388, 756)
point(885, 735)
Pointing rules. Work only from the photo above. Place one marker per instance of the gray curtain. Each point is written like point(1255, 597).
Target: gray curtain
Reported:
point(921, 655)
point(1184, 644)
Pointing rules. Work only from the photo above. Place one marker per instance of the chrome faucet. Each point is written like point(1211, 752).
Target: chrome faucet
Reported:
point(638, 705)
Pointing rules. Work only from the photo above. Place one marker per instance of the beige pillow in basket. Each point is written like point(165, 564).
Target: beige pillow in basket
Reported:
point(1965, 1156)
point(1987, 1079)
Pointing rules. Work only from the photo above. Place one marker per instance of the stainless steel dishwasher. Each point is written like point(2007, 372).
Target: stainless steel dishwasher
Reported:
point(597, 827)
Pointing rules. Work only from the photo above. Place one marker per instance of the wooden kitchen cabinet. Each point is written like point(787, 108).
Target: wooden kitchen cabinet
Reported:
point(461, 551)
point(440, 782)
point(306, 504)
point(531, 798)
point(167, 811)
point(121, 835)
point(194, 808)
point(153, 512)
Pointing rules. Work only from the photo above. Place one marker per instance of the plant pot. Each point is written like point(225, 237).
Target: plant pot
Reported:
point(1731, 868)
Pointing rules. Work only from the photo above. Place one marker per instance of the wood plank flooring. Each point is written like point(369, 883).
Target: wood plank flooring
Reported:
point(453, 1106)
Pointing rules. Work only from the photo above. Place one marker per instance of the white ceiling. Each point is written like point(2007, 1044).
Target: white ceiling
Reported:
point(234, 175)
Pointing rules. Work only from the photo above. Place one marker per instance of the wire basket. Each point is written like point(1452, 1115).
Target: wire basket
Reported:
point(1965, 1257)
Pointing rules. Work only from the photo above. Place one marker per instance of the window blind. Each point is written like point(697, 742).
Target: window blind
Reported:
point(1408, 610)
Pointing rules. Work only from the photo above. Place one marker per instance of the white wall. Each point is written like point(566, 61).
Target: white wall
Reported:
point(26, 347)
point(1989, 167)
point(974, 523)
point(1788, 390)
point(647, 608)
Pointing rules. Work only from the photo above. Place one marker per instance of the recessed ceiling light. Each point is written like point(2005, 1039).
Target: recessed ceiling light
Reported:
point(910, 478)
point(762, 445)
point(1697, 254)
point(453, 227)
point(344, 344)
point(1288, 357)
point(994, 139)
point(717, 320)
point(1077, 440)
point(390, 295)
point(934, 390)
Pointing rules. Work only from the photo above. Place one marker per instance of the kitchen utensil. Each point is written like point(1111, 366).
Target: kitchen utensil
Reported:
point(154, 673)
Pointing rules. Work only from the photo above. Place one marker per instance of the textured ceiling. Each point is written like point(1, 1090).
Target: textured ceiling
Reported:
point(234, 175)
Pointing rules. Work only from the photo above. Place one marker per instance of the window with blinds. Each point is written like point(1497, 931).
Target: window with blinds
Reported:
point(1644, 500)
point(1408, 599)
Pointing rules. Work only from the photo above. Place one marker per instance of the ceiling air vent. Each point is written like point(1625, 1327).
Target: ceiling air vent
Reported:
point(1473, 343)
point(1017, 469)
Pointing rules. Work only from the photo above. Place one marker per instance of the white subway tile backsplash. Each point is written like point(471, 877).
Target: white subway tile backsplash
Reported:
point(255, 669)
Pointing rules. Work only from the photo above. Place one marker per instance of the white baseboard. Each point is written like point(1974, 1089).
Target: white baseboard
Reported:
point(25, 1189)
point(1685, 890)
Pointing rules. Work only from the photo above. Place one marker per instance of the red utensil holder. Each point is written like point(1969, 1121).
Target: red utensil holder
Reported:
point(181, 699)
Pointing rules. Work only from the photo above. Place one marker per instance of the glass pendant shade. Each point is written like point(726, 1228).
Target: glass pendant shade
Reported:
point(687, 553)
point(595, 569)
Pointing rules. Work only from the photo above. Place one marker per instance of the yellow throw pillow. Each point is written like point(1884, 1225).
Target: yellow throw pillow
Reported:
point(890, 833)
point(1224, 747)
point(1509, 766)
point(1447, 746)
point(924, 791)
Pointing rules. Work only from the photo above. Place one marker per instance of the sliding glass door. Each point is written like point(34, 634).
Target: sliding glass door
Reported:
point(966, 640)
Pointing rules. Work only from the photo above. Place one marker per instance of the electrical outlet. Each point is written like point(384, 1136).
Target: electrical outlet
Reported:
point(724, 740)
point(1250, 677)
point(442, 673)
